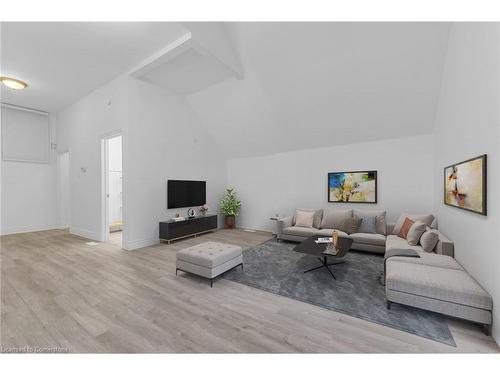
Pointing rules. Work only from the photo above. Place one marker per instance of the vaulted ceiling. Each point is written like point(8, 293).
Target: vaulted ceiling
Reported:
point(320, 84)
point(258, 88)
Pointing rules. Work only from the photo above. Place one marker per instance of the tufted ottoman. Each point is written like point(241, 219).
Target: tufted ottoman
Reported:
point(209, 259)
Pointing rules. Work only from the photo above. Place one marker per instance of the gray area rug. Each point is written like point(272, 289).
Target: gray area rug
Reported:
point(276, 268)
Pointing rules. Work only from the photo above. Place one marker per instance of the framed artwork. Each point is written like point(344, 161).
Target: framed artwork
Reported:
point(465, 185)
point(352, 187)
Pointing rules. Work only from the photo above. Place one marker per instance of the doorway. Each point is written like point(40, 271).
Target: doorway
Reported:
point(113, 189)
point(63, 186)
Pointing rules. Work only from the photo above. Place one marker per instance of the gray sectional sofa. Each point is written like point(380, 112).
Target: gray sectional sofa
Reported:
point(384, 238)
point(433, 281)
point(326, 221)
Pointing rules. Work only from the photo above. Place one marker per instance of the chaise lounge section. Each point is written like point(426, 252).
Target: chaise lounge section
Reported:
point(435, 281)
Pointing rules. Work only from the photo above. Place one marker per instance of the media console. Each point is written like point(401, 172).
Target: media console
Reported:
point(173, 230)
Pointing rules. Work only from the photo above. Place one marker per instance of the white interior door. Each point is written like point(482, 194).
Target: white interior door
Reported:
point(111, 162)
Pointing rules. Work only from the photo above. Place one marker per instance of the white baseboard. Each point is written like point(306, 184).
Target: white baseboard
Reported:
point(28, 228)
point(140, 243)
point(85, 234)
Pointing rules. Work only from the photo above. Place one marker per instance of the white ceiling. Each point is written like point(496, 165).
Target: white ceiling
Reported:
point(200, 58)
point(304, 84)
point(62, 62)
point(320, 84)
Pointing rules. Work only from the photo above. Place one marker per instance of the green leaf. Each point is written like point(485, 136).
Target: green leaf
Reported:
point(229, 204)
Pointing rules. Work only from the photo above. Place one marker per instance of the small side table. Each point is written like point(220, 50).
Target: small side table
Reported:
point(275, 218)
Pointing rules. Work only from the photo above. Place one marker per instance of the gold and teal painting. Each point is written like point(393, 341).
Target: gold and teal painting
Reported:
point(465, 185)
point(352, 187)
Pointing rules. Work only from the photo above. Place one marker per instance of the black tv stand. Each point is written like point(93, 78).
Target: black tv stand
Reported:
point(173, 230)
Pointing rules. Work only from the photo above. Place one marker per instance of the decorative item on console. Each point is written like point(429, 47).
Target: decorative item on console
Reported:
point(203, 209)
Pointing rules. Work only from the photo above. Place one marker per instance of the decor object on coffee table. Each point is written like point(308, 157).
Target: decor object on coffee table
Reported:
point(230, 207)
point(465, 185)
point(352, 187)
point(209, 259)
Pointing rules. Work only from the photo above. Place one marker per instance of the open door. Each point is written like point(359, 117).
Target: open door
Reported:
point(112, 218)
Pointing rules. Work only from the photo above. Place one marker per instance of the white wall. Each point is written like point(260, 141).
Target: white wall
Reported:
point(80, 129)
point(282, 182)
point(161, 139)
point(29, 194)
point(467, 125)
point(165, 142)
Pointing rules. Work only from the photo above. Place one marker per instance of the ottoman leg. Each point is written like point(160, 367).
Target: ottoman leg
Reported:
point(388, 304)
point(176, 271)
point(211, 282)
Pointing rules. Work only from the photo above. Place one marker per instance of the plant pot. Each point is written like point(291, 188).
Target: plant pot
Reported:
point(230, 222)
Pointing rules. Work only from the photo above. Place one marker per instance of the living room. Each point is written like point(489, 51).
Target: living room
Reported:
point(349, 184)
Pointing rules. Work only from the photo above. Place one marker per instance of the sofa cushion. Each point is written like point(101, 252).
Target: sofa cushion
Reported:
point(301, 231)
point(416, 230)
point(368, 225)
point(368, 238)
point(304, 219)
point(380, 220)
point(334, 219)
point(429, 240)
point(405, 228)
point(427, 219)
point(395, 242)
point(318, 215)
point(444, 284)
point(429, 259)
point(328, 233)
point(351, 225)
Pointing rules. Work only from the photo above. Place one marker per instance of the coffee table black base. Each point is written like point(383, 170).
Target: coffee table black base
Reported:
point(324, 264)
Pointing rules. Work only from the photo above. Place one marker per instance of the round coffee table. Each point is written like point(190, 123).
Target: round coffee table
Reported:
point(310, 247)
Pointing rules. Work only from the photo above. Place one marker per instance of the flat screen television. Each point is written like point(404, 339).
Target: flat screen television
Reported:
point(182, 193)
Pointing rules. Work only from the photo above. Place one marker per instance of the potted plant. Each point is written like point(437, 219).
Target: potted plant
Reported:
point(230, 207)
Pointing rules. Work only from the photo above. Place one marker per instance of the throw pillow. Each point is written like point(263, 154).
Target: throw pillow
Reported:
point(368, 225)
point(405, 228)
point(318, 215)
point(416, 230)
point(334, 219)
point(380, 221)
point(304, 219)
point(429, 240)
point(351, 225)
point(427, 219)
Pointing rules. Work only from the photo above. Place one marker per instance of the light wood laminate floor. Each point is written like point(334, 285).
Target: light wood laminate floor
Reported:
point(56, 291)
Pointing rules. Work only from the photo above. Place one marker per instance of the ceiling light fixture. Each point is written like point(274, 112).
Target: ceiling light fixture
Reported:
point(13, 83)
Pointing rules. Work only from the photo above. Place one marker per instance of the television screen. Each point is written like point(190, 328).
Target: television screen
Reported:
point(186, 193)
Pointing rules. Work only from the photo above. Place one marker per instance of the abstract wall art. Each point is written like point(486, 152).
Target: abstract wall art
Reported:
point(465, 185)
point(352, 187)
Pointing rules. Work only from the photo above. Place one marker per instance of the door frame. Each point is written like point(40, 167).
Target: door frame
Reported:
point(105, 181)
point(61, 224)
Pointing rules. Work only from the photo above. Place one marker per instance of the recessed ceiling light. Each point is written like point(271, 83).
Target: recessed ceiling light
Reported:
point(13, 83)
